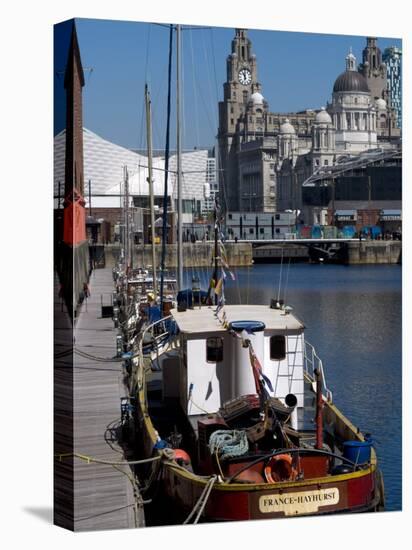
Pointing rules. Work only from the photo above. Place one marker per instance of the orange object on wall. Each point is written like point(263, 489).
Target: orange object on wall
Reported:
point(74, 222)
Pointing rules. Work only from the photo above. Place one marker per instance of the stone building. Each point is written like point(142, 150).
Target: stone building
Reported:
point(346, 128)
point(375, 71)
point(247, 134)
point(265, 157)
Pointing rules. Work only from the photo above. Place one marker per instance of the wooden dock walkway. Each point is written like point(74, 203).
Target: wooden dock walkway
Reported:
point(104, 496)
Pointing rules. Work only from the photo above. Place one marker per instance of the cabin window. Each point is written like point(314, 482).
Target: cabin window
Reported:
point(277, 348)
point(214, 350)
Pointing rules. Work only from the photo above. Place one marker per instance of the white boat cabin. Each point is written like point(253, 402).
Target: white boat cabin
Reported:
point(215, 366)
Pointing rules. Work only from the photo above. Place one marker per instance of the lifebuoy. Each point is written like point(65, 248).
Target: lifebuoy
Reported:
point(280, 468)
point(181, 457)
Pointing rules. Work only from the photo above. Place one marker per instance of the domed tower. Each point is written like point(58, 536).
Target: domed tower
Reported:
point(323, 139)
point(255, 116)
point(353, 111)
point(287, 142)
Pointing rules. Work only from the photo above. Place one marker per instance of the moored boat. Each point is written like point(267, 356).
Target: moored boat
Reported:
point(245, 423)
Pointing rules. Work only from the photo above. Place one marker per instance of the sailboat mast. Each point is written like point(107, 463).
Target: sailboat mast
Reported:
point(179, 165)
point(126, 219)
point(126, 232)
point(150, 180)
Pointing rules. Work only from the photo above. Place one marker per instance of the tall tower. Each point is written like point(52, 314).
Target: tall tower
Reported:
point(241, 83)
point(373, 69)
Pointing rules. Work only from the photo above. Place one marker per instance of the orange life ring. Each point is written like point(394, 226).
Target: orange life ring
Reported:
point(181, 456)
point(280, 468)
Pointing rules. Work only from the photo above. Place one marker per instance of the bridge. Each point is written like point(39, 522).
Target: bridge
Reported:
point(316, 250)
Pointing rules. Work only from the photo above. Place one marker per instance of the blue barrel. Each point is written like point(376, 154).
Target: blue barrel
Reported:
point(357, 451)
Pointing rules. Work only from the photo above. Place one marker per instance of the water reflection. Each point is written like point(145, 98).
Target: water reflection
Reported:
point(353, 318)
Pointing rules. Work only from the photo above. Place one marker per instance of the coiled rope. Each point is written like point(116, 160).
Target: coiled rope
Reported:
point(228, 443)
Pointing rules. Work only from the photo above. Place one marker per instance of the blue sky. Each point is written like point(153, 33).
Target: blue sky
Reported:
point(296, 70)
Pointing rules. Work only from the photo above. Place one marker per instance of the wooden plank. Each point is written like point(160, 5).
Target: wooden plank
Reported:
point(104, 496)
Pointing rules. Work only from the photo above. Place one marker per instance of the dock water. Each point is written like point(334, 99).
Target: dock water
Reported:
point(106, 496)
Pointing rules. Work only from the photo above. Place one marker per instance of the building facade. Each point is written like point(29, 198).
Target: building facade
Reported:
point(247, 134)
point(392, 57)
point(264, 157)
point(375, 71)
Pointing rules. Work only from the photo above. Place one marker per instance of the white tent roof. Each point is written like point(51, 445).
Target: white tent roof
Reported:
point(103, 166)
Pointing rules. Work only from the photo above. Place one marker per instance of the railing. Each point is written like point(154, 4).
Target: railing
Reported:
point(312, 362)
point(158, 341)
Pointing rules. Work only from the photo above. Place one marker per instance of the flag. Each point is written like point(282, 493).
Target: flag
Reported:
point(258, 375)
point(219, 286)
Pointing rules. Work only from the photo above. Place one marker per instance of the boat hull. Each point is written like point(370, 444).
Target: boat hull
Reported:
point(355, 492)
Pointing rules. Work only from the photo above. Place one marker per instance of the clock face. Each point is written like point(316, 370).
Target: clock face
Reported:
point(245, 77)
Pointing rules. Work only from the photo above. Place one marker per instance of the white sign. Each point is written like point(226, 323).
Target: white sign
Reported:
point(292, 504)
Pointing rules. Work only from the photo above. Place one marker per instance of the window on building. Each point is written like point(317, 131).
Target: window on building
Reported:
point(231, 109)
point(214, 350)
point(230, 216)
point(277, 230)
point(326, 162)
point(250, 230)
point(231, 121)
point(317, 162)
point(277, 216)
point(272, 177)
point(277, 348)
point(261, 230)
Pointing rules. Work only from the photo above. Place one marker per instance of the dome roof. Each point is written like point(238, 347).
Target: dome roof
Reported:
point(323, 117)
point(287, 128)
point(381, 104)
point(351, 81)
point(257, 98)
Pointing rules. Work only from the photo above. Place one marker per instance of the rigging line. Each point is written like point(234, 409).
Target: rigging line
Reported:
point(214, 117)
point(194, 92)
point(155, 102)
point(147, 51)
point(212, 125)
point(182, 95)
point(280, 275)
point(163, 25)
point(214, 64)
point(165, 195)
point(287, 281)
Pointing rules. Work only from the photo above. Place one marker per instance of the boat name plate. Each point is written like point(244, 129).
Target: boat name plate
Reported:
point(303, 502)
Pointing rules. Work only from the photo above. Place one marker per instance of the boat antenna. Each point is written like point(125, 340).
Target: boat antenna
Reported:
point(167, 146)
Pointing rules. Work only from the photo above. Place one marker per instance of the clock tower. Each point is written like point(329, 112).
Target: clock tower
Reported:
point(241, 83)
